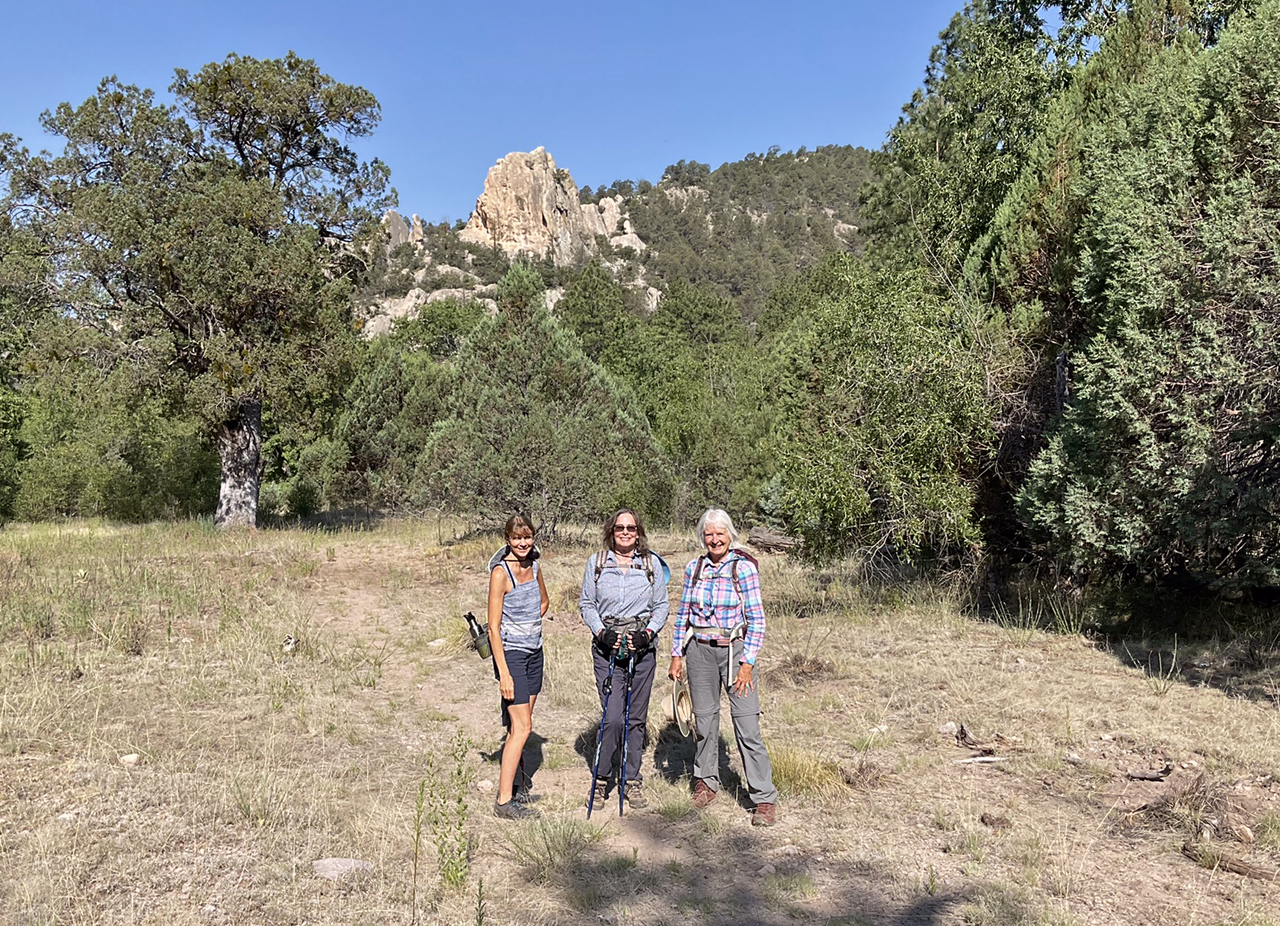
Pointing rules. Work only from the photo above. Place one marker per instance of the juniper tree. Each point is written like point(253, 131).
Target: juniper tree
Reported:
point(1164, 465)
point(204, 239)
point(532, 424)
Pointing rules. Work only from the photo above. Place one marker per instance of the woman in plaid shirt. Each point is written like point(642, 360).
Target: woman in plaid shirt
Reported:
point(719, 629)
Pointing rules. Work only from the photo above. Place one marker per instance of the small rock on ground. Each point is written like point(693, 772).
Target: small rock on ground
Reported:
point(335, 868)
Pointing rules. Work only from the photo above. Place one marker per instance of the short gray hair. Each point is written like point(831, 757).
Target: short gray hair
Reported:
point(717, 517)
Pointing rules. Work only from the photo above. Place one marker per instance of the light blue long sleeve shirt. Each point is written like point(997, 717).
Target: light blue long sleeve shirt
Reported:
point(624, 592)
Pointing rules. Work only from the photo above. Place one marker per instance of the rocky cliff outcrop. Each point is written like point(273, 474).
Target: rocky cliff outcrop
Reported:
point(397, 230)
point(400, 232)
point(529, 206)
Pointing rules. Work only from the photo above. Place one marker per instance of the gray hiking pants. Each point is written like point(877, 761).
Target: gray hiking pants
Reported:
point(709, 669)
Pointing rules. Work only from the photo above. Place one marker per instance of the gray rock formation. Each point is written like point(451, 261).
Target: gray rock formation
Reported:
point(380, 317)
point(529, 206)
point(609, 220)
point(397, 230)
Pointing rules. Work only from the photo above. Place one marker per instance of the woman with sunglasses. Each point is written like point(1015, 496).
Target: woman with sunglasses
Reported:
point(624, 603)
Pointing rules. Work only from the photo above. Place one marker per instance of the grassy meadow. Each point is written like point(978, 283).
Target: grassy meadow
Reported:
point(190, 719)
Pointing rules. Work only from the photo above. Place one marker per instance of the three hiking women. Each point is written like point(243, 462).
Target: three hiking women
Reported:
point(719, 629)
point(624, 603)
point(517, 602)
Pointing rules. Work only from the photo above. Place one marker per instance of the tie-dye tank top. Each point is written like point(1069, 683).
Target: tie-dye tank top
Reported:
point(522, 613)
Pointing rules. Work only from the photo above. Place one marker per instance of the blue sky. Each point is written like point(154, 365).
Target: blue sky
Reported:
point(612, 90)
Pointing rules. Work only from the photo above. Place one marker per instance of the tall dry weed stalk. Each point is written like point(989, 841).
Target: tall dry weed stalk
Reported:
point(442, 801)
point(419, 822)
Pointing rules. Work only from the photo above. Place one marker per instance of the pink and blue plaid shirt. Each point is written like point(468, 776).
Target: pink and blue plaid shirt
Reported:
point(711, 607)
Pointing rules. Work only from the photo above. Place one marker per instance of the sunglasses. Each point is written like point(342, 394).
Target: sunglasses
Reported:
point(624, 528)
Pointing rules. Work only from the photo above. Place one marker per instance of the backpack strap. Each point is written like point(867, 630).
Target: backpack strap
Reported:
point(651, 565)
point(656, 563)
point(733, 569)
point(697, 570)
point(739, 555)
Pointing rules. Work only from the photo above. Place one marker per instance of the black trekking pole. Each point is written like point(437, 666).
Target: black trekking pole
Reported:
point(604, 712)
point(626, 724)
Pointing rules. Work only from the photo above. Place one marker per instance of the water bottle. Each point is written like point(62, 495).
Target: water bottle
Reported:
point(479, 636)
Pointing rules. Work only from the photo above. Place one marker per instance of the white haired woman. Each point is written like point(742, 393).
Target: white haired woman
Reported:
point(719, 629)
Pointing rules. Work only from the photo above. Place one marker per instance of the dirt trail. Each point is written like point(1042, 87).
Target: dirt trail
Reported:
point(883, 856)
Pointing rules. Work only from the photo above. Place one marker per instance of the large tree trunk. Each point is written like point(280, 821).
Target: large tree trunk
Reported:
point(240, 447)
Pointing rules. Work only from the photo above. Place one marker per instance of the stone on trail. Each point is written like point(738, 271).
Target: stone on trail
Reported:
point(335, 868)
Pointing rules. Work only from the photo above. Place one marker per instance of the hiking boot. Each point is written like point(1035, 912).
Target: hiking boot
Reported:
point(702, 794)
point(512, 810)
point(635, 795)
point(522, 790)
point(599, 790)
point(764, 815)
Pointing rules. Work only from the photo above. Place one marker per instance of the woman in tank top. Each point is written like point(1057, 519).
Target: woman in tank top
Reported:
point(517, 601)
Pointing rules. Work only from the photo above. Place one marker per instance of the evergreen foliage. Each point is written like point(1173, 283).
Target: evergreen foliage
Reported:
point(748, 225)
point(531, 424)
point(1164, 465)
point(965, 136)
point(15, 329)
point(99, 445)
point(594, 306)
point(200, 239)
point(884, 430)
point(397, 393)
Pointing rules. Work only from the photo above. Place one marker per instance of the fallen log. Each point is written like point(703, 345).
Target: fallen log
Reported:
point(1212, 857)
point(1151, 774)
point(770, 541)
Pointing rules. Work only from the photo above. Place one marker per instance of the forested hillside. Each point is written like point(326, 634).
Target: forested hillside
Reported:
point(1035, 335)
point(748, 225)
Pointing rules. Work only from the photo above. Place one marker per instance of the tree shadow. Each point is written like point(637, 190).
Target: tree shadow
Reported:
point(1175, 636)
point(335, 521)
point(1246, 667)
point(1196, 640)
point(714, 890)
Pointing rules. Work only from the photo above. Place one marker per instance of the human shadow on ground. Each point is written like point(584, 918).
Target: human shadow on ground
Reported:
point(530, 760)
point(584, 744)
point(672, 758)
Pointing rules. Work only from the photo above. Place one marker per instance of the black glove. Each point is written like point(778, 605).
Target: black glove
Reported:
point(607, 640)
point(641, 640)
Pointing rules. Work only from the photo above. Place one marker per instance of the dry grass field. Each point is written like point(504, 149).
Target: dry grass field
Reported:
point(190, 720)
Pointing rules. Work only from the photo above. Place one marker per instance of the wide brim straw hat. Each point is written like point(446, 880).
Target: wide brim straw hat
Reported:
point(678, 706)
